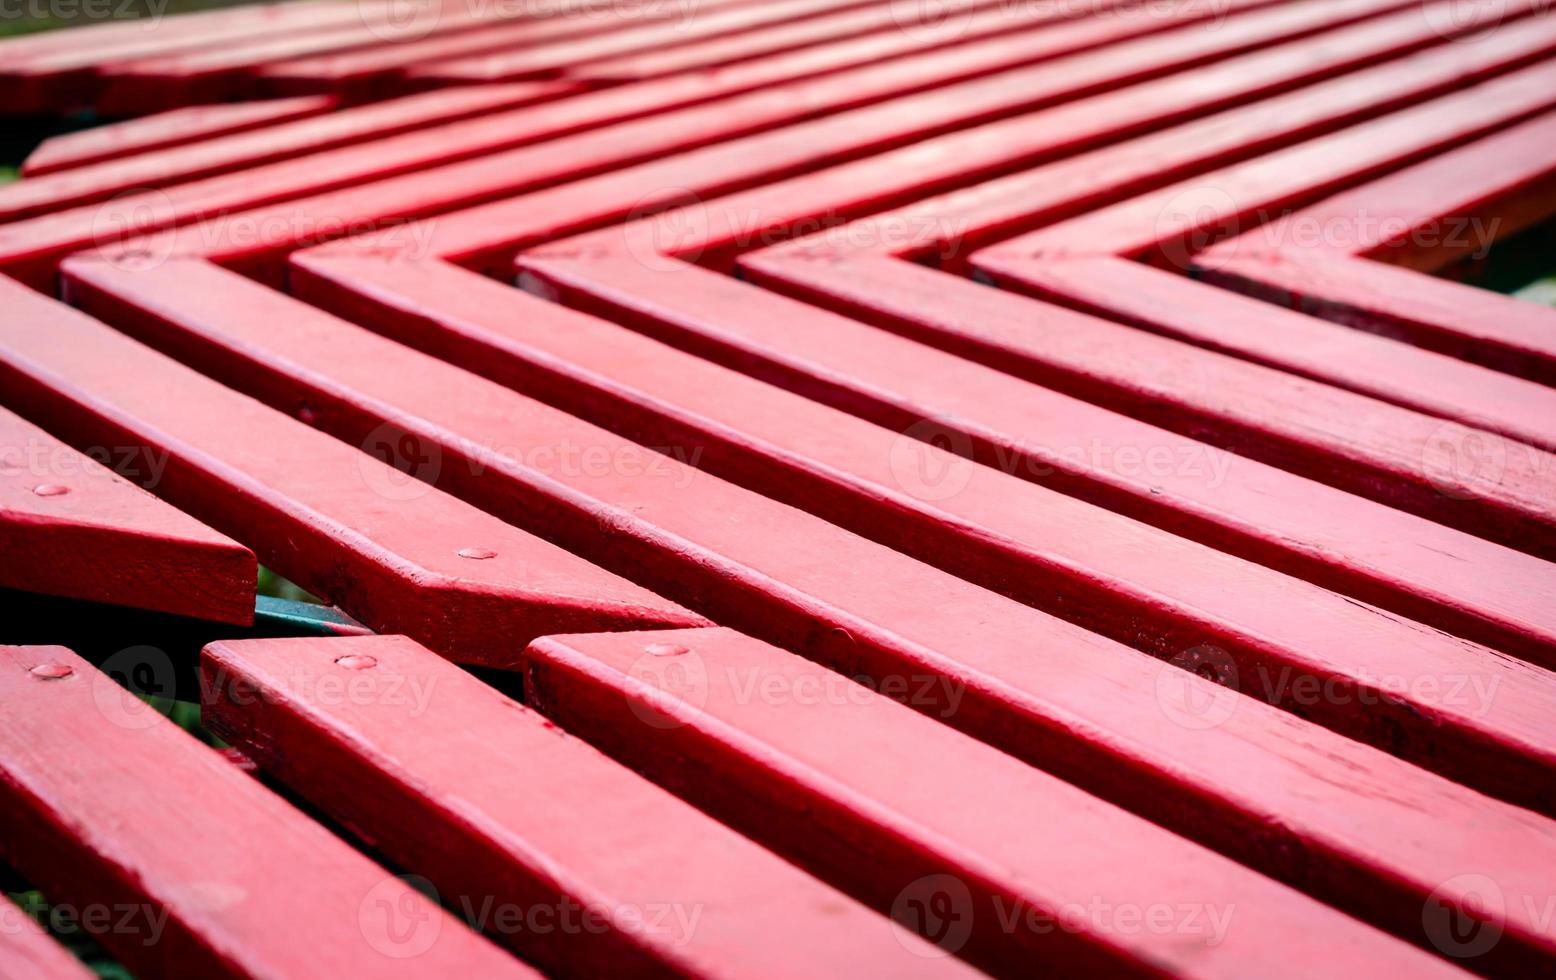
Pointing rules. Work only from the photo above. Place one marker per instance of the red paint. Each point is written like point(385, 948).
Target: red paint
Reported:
point(891, 795)
point(70, 525)
point(334, 518)
point(206, 872)
point(503, 812)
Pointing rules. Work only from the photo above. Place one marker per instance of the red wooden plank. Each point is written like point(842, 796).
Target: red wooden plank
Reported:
point(56, 71)
point(757, 564)
point(27, 951)
point(1260, 412)
point(29, 248)
point(386, 548)
point(485, 237)
point(1420, 218)
point(231, 238)
point(1412, 566)
point(1176, 306)
point(152, 80)
point(135, 173)
point(658, 35)
point(951, 22)
point(163, 130)
point(1170, 223)
point(202, 870)
point(1500, 332)
point(237, 71)
point(1430, 573)
point(71, 526)
point(890, 794)
point(1045, 549)
point(370, 70)
point(504, 813)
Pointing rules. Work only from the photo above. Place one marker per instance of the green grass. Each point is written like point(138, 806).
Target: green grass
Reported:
point(116, 10)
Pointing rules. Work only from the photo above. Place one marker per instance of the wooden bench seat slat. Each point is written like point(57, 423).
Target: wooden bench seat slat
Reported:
point(568, 858)
point(71, 526)
point(758, 733)
point(203, 871)
point(338, 520)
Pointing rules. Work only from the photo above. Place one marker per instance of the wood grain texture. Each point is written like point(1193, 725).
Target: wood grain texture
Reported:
point(758, 734)
point(71, 526)
point(338, 520)
point(27, 951)
point(569, 859)
point(203, 871)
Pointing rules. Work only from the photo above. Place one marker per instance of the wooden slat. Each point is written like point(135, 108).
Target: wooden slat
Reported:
point(889, 794)
point(203, 871)
point(485, 237)
point(955, 21)
point(373, 70)
point(153, 80)
point(658, 35)
point(1385, 368)
point(56, 71)
point(504, 813)
point(751, 562)
point(1420, 218)
point(30, 248)
point(166, 129)
point(391, 551)
point(134, 173)
point(1332, 435)
point(71, 526)
point(27, 951)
